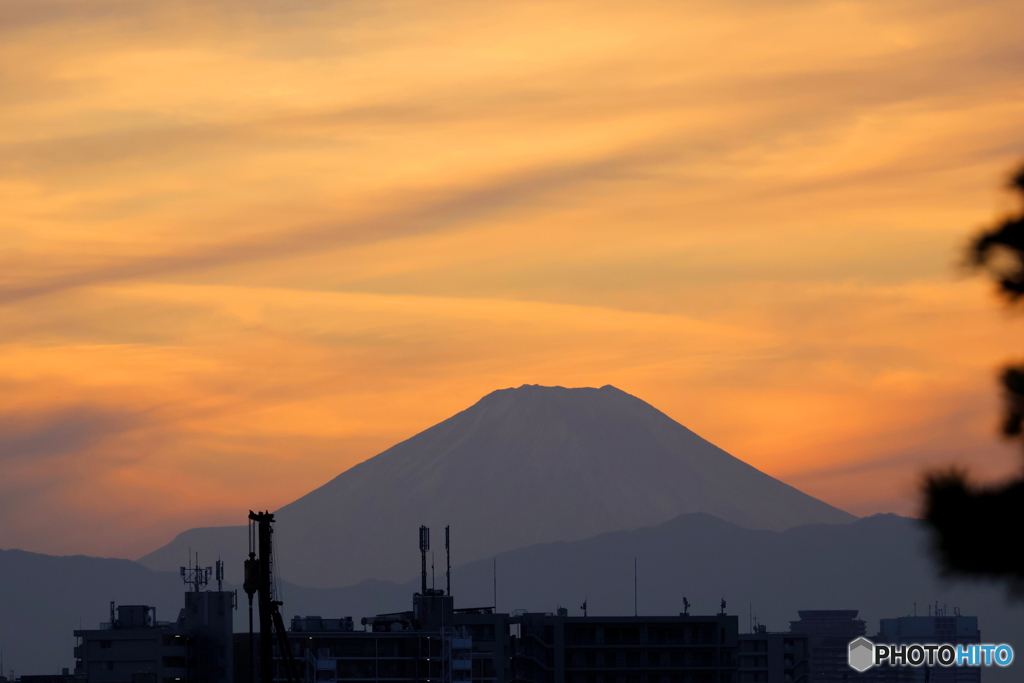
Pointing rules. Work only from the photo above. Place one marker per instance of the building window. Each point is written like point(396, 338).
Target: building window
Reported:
point(104, 644)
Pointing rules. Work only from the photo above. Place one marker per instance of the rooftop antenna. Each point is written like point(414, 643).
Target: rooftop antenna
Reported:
point(723, 605)
point(432, 582)
point(448, 554)
point(686, 607)
point(915, 609)
point(584, 607)
point(424, 547)
point(220, 575)
point(196, 576)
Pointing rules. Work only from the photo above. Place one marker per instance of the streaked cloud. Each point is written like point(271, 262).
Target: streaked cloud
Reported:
point(244, 246)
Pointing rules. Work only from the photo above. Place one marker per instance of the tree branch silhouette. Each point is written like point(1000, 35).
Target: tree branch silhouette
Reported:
point(976, 526)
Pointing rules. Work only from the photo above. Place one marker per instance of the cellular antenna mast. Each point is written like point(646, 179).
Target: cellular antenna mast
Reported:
point(196, 576)
point(220, 575)
point(448, 554)
point(424, 547)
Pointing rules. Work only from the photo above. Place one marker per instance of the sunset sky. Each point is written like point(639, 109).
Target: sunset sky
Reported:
point(245, 245)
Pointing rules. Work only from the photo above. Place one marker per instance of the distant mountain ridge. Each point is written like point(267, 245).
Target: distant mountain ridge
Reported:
point(522, 466)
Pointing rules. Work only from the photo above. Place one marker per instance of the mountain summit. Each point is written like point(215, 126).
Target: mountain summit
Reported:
point(522, 466)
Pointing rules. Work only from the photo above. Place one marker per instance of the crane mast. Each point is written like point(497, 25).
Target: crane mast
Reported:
point(259, 580)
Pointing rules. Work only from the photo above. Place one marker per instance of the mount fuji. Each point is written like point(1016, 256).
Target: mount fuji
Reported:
point(522, 466)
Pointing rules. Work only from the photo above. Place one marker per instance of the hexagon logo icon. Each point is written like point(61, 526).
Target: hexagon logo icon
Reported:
point(862, 654)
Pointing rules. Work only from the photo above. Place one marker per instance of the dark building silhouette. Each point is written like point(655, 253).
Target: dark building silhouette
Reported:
point(435, 642)
point(829, 633)
point(66, 677)
point(557, 648)
point(133, 647)
point(936, 628)
point(427, 643)
point(772, 658)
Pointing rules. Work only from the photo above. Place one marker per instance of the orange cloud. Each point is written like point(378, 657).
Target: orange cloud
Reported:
point(246, 246)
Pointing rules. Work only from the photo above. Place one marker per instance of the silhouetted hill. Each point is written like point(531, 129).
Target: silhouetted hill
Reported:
point(521, 466)
point(877, 565)
point(44, 598)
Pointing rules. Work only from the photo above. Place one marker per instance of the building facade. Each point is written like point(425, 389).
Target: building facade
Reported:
point(829, 633)
point(133, 647)
point(427, 644)
point(764, 657)
point(940, 629)
point(557, 648)
point(436, 643)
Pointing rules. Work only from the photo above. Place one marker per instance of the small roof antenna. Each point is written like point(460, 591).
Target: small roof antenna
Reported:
point(686, 607)
point(584, 607)
point(634, 586)
point(424, 547)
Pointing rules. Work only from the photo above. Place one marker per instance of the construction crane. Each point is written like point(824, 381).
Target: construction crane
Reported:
point(258, 579)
